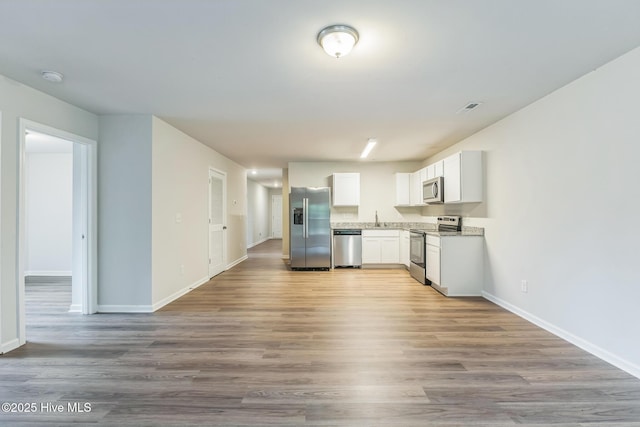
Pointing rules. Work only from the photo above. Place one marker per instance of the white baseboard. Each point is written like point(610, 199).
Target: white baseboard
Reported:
point(153, 307)
point(257, 243)
point(236, 262)
point(567, 336)
point(10, 345)
point(158, 305)
point(48, 273)
point(125, 309)
point(75, 308)
point(382, 266)
point(179, 293)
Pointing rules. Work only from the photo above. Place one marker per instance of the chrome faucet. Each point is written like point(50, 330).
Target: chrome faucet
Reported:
point(377, 223)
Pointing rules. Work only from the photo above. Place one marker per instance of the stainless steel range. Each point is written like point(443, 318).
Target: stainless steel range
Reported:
point(418, 246)
point(449, 223)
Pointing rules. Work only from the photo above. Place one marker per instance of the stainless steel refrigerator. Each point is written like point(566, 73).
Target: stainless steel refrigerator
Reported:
point(310, 231)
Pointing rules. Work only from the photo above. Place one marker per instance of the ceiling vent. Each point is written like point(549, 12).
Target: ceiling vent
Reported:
point(470, 106)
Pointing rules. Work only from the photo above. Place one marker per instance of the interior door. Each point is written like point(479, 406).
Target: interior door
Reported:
point(217, 217)
point(276, 216)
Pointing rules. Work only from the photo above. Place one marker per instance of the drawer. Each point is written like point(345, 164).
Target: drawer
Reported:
point(433, 240)
point(380, 233)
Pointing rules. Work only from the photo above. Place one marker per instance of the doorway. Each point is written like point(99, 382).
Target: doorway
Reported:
point(49, 222)
point(84, 223)
point(217, 222)
point(276, 216)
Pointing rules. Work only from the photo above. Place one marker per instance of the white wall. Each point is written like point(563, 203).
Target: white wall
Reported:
point(124, 212)
point(258, 208)
point(150, 173)
point(16, 101)
point(557, 172)
point(377, 188)
point(48, 203)
point(180, 186)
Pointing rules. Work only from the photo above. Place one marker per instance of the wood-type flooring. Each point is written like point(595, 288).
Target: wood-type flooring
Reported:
point(262, 345)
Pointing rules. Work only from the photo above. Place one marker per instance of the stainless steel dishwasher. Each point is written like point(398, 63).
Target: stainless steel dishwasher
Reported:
point(347, 248)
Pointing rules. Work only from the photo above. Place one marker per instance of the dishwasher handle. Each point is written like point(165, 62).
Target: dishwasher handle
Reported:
point(345, 232)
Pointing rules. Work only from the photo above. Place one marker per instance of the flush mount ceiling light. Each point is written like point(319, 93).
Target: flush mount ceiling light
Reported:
point(370, 144)
point(52, 76)
point(338, 40)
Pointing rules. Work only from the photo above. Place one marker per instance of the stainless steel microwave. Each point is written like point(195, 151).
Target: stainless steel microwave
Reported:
point(433, 190)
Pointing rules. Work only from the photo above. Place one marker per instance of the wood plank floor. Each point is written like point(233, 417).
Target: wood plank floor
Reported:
point(261, 345)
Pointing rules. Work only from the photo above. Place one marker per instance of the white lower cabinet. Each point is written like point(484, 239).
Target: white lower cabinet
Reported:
point(380, 246)
point(405, 243)
point(433, 263)
point(370, 250)
point(455, 264)
point(390, 250)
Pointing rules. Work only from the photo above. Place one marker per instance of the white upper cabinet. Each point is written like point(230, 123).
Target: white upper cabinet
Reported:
point(431, 171)
point(435, 170)
point(452, 190)
point(346, 189)
point(403, 189)
point(438, 168)
point(463, 177)
point(416, 180)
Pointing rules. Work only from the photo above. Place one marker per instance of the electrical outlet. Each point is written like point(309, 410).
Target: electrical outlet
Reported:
point(524, 285)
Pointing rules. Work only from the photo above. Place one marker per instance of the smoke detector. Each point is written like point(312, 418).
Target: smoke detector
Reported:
point(52, 76)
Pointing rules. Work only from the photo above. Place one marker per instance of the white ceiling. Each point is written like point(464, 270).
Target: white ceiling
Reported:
point(247, 77)
point(271, 178)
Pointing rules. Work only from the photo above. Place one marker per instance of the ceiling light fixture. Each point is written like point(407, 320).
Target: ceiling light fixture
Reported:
point(338, 40)
point(52, 76)
point(370, 144)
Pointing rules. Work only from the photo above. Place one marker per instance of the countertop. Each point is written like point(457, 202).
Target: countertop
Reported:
point(428, 227)
point(466, 231)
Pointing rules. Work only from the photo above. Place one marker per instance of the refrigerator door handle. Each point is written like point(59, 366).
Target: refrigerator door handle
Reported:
point(305, 207)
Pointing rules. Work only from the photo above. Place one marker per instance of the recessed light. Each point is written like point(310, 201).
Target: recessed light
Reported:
point(254, 172)
point(52, 76)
